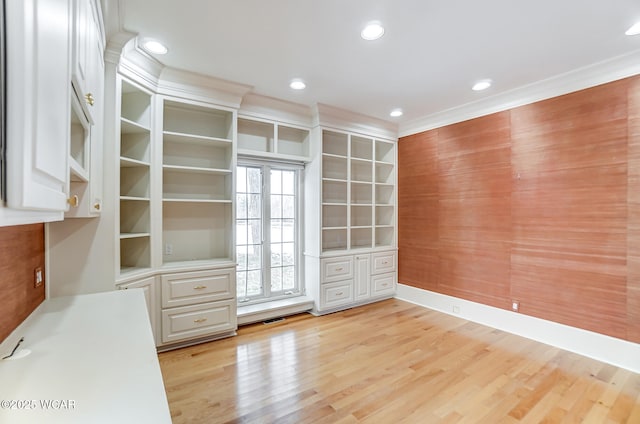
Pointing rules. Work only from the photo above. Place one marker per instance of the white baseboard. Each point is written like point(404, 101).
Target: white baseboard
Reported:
point(611, 350)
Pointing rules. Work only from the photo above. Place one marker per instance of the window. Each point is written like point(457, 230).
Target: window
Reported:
point(267, 231)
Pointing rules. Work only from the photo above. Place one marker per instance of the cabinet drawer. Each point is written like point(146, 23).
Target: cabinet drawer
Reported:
point(336, 294)
point(189, 288)
point(383, 262)
point(336, 269)
point(189, 322)
point(383, 285)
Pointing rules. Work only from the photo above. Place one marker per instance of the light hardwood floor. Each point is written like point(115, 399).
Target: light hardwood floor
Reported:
point(391, 362)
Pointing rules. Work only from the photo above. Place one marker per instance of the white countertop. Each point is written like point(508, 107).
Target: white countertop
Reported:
point(92, 360)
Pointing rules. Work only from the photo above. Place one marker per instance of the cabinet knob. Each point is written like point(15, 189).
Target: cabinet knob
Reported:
point(199, 320)
point(89, 98)
point(200, 287)
point(73, 201)
point(96, 206)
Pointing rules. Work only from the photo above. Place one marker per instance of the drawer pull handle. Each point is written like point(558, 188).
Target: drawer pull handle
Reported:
point(339, 294)
point(199, 287)
point(339, 269)
point(199, 320)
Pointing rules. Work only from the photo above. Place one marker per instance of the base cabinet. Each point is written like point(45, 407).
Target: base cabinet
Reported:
point(351, 280)
point(190, 306)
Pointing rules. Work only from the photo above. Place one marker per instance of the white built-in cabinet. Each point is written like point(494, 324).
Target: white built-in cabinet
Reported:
point(175, 211)
point(268, 139)
point(350, 246)
point(55, 77)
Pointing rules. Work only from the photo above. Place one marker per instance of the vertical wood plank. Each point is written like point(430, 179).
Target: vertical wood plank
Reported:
point(21, 251)
point(418, 210)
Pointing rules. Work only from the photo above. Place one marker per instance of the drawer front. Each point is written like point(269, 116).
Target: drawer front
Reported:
point(336, 294)
point(336, 269)
point(189, 322)
point(383, 262)
point(190, 288)
point(383, 285)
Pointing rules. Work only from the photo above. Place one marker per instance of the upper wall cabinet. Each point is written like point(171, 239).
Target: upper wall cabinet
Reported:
point(38, 108)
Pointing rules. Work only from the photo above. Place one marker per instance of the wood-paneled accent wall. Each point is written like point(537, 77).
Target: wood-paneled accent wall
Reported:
point(539, 204)
point(21, 252)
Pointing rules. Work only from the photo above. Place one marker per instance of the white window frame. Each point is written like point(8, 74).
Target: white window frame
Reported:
point(266, 166)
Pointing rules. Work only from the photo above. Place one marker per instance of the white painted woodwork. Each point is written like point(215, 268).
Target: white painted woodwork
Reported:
point(151, 291)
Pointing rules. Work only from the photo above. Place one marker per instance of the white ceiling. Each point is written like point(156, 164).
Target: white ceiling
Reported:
point(430, 56)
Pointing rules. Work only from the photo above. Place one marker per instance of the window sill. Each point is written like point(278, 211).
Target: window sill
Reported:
point(274, 309)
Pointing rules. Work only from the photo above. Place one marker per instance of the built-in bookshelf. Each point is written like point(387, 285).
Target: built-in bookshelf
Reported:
point(271, 139)
point(197, 183)
point(358, 192)
point(135, 178)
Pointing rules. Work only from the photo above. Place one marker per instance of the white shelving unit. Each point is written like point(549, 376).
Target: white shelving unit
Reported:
point(135, 178)
point(272, 140)
point(197, 183)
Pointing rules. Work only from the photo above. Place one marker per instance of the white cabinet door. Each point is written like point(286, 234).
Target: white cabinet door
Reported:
point(151, 296)
point(363, 277)
point(38, 108)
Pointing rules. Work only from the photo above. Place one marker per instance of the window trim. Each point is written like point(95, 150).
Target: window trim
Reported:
point(267, 165)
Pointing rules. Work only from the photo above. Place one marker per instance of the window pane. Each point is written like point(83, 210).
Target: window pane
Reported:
point(254, 207)
point(241, 257)
point(241, 180)
point(288, 278)
point(241, 232)
point(288, 254)
point(276, 206)
point(241, 284)
point(276, 182)
point(276, 231)
point(276, 279)
point(254, 257)
point(254, 283)
point(288, 230)
point(254, 184)
point(288, 182)
point(288, 207)
point(255, 231)
point(241, 205)
point(276, 254)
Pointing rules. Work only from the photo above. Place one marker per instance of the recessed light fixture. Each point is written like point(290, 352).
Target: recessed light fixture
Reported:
point(372, 31)
point(155, 47)
point(481, 85)
point(297, 84)
point(396, 112)
point(634, 30)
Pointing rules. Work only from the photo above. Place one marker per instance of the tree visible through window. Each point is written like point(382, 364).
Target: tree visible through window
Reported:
point(266, 232)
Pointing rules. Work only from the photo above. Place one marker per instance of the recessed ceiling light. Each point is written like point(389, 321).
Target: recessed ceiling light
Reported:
point(372, 31)
point(481, 85)
point(297, 84)
point(155, 47)
point(396, 112)
point(634, 30)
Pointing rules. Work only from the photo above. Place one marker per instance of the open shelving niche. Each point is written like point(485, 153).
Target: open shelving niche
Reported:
point(197, 184)
point(135, 178)
point(272, 139)
point(358, 192)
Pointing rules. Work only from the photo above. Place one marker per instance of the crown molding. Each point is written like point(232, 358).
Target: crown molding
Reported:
point(270, 108)
point(346, 120)
point(589, 76)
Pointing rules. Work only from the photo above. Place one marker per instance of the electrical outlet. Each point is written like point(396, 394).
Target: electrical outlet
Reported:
point(168, 249)
point(38, 278)
point(515, 305)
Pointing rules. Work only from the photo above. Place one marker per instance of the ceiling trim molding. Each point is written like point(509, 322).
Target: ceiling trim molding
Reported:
point(272, 109)
point(590, 76)
point(346, 120)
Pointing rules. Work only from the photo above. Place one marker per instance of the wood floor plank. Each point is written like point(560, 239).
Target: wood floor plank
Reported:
point(391, 362)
